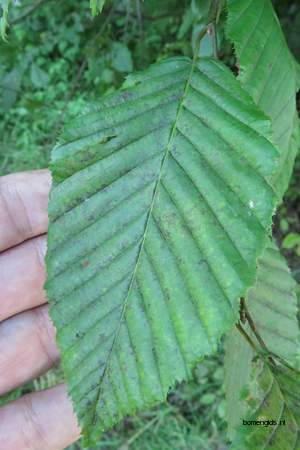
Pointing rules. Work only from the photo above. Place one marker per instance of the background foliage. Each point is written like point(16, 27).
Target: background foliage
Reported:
point(56, 59)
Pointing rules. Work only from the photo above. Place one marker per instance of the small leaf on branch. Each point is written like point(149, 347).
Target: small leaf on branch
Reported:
point(272, 304)
point(273, 417)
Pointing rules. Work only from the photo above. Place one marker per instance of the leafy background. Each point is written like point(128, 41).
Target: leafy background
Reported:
point(56, 59)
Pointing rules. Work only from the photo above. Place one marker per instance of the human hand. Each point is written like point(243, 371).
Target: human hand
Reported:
point(41, 420)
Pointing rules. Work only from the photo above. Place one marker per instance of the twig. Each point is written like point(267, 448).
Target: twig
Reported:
point(128, 14)
point(247, 337)
point(213, 33)
point(138, 434)
point(198, 44)
point(254, 329)
point(139, 16)
point(252, 325)
point(146, 16)
point(142, 430)
point(214, 15)
point(28, 12)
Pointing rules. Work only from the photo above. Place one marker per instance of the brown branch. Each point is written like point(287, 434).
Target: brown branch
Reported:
point(247, 337)
point(28, 12)
point(252, 325)
point(211, 29)
point(214, 15)
point(147, 16)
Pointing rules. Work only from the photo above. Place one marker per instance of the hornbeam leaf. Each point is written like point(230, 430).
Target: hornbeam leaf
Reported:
point(272, 304)
point(161, 205)
point(273, 421)
point(268, 72)
point(297, 65)
point(238, 368)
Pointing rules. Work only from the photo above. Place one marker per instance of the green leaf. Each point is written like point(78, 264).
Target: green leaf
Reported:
point(121, 59)
point(160, 207)
point(206, 48)
point(238, 366)
point(39, 77)
point(282, 177)
point(297, 66)
point(207, 399)
point(5, 4)
point(96, 6)
point(274, 410)
point(267, 71)
point(188, 20)
point(272, 304)
point(11, 87)
point(292, 241)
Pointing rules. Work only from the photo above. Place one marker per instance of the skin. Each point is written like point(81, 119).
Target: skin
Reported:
point(42, 420)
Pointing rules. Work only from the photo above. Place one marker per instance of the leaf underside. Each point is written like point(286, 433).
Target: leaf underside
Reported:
point(268, 73)
point(273, 395)
point(272, 303)
point(237, 373)
point(160, 207)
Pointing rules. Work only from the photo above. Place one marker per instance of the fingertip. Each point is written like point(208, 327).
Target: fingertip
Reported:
point(41, 420)
point(23, 206)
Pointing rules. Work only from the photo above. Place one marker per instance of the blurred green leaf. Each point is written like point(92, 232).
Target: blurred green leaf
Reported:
point(39, 77)
point(292, 240)
point(284, 225)
point(207, 399)
point(121, 59)
point(10, 88)
point(96, 6)
point(187, 22)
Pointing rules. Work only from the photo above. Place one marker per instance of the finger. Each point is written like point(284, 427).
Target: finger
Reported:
point(39, 421)
point(23, 206)
point(27, 348)
point(22, 276)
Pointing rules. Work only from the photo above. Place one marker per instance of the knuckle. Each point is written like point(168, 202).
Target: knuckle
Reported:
point(44, 332)
point(33, 434)
point(39, 248)
point(12, 202)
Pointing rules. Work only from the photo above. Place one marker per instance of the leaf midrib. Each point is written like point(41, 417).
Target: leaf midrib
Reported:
point(164, 159)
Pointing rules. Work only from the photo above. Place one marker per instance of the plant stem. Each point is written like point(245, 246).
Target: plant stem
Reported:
point(213, 33)
point(29, 11)
point(214, 14)
point(247, 337)
point(252, 325)
point(200, 37)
